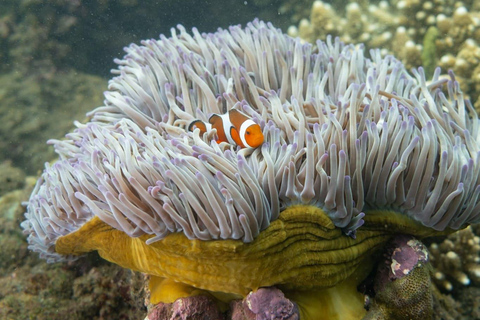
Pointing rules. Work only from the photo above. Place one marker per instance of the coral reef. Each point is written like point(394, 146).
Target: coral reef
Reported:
point(456, 260)
point(452, 42)
point(86, 289)
point(76, 291)
point(468, 303)
point(34, 110)
point(11, 178)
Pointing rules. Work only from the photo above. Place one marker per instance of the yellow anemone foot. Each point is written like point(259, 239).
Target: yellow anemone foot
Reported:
point(342, 302)
point(301, 251)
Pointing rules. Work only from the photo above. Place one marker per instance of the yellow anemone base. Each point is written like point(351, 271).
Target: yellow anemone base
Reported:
point(301, 252)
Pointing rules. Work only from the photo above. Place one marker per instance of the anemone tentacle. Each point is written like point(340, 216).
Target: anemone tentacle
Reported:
point(343, 132)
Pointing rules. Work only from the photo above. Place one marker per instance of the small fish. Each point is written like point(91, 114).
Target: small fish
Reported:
point(233, 127)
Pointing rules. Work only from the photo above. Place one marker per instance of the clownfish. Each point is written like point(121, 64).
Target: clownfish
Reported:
point(233, 127)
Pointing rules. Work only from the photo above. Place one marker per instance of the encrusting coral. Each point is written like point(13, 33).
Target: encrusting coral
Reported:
point(355, 150)
point(402, 283)
point(263, 304)
point(197, 308)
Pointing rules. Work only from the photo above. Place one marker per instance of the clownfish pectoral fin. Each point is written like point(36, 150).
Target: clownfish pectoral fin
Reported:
point(198, 124)
point(236, 137)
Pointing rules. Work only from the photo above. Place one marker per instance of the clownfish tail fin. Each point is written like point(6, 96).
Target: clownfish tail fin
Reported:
point(199, 124)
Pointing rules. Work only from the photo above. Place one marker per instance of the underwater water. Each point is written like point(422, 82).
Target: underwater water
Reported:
point(55, 62)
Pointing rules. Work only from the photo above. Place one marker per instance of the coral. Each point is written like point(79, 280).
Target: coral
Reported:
point(470, 308)
point(192, 308)
point(55, 292)
point(390, 25)
point(14, 250)
point(456, 260)
point(402, 284)
point(105, 291)
point(270, 303)
point(467, 64)
point(264, 304)
point(444, 306)
point(32, 289)
point(11, 178)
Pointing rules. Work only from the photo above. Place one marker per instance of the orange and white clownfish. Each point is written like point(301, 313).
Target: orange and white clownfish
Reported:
point(233, 127)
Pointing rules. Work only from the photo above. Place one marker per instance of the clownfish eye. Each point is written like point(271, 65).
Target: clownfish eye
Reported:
point(248, 132)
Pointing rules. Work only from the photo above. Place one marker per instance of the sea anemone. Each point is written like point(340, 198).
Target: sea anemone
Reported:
point(348, 139)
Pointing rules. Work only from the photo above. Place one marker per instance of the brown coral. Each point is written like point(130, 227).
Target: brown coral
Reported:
point(456, 260)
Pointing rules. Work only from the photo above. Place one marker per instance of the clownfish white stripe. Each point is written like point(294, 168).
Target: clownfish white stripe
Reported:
point(227, 124)
point(243, 131)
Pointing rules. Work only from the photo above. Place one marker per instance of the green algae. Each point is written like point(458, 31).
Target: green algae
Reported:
point(429, 52)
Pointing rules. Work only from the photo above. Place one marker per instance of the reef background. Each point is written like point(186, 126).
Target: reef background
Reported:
point(55, 58)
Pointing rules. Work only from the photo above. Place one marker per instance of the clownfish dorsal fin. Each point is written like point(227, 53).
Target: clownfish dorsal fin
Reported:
point(237, 117)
